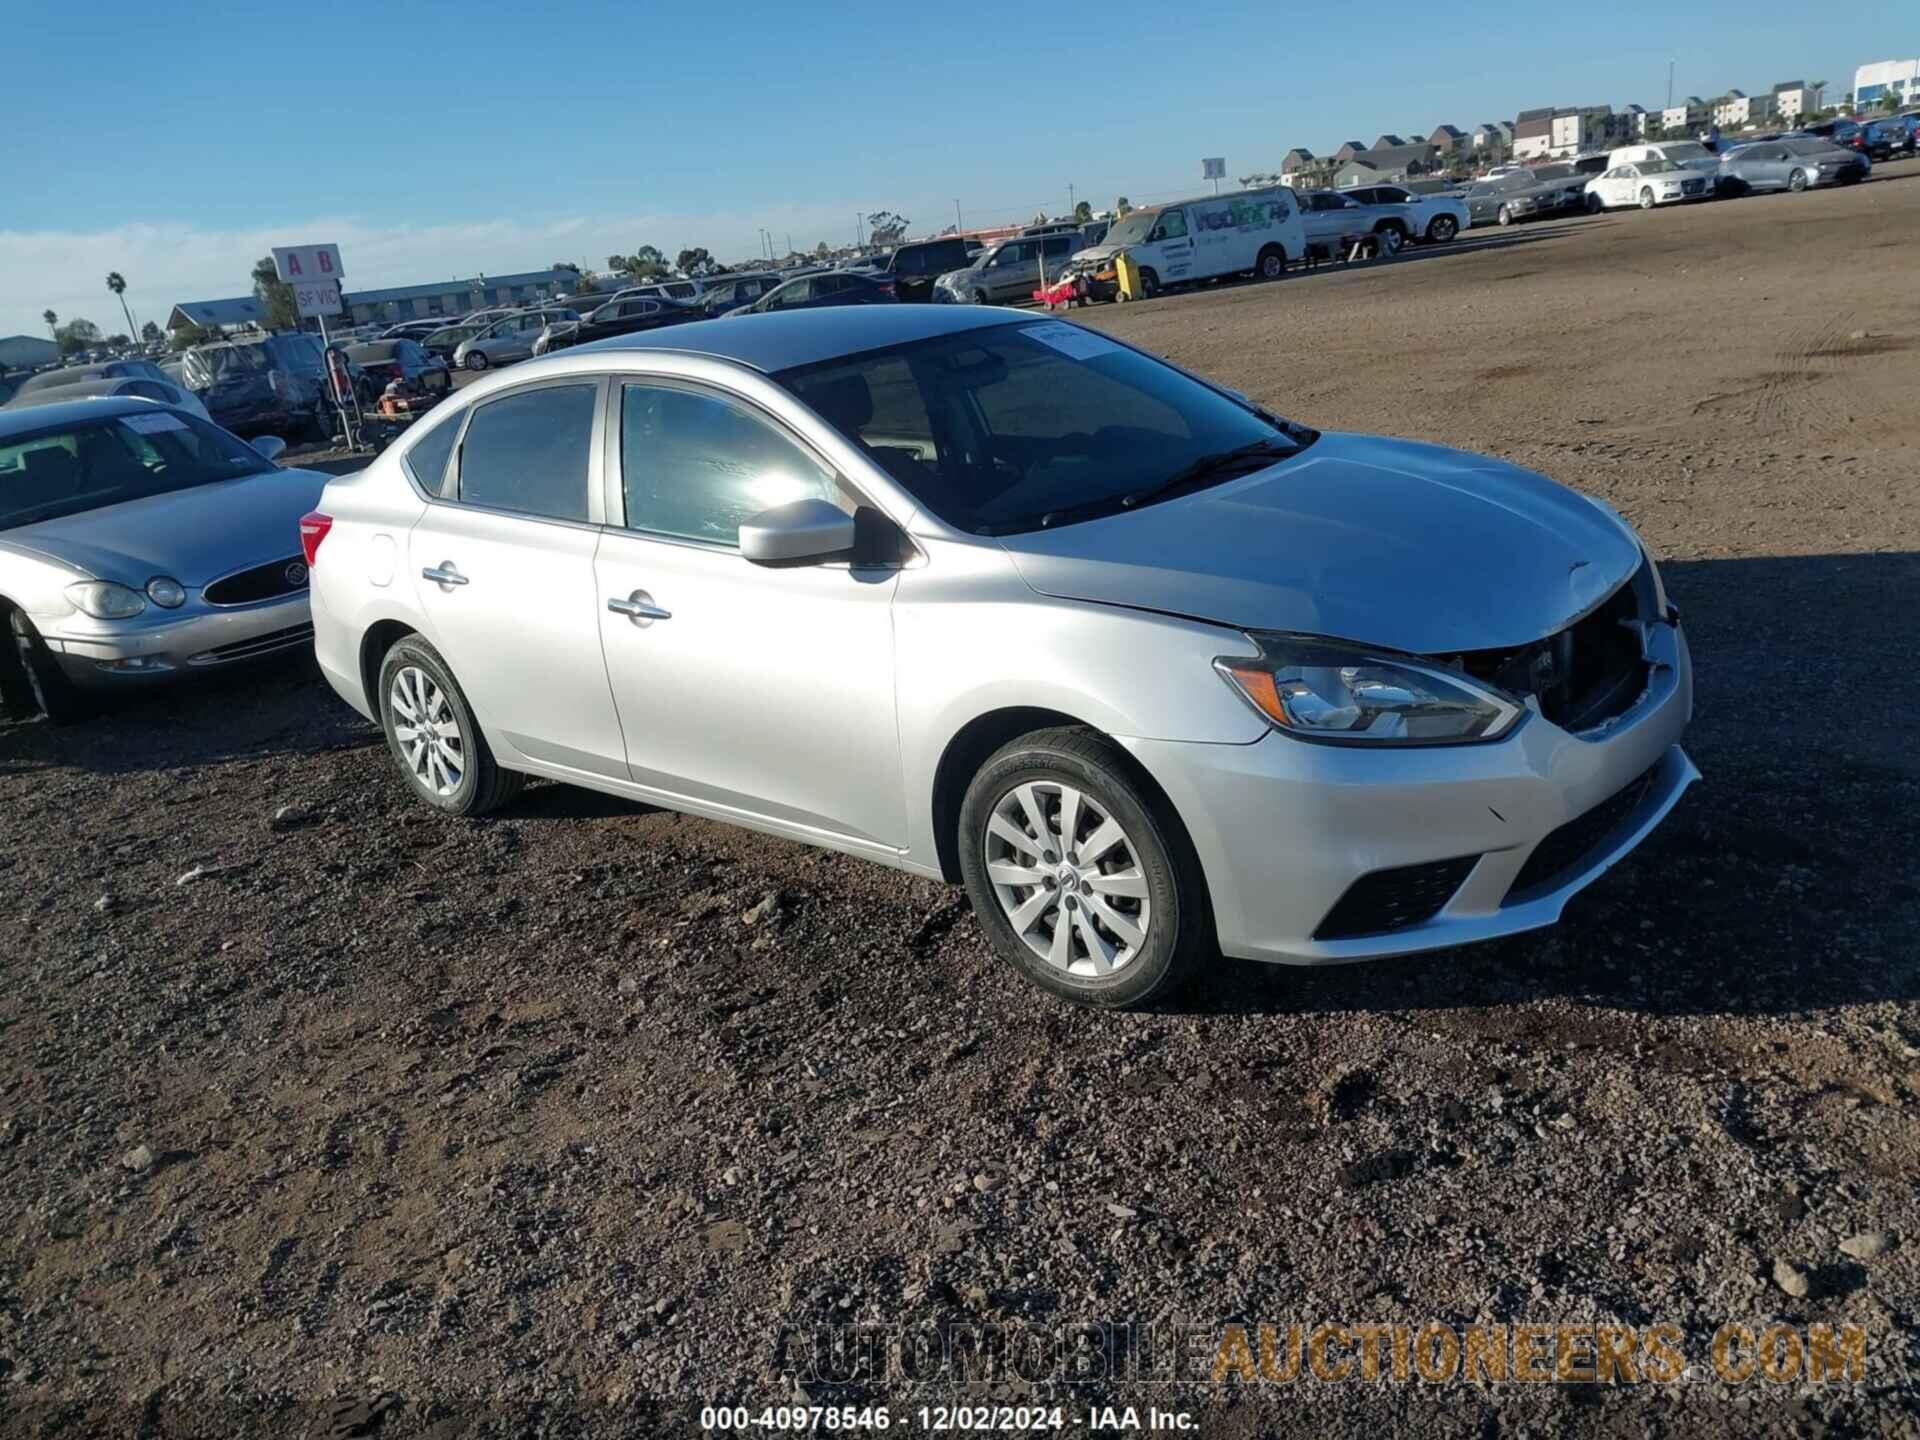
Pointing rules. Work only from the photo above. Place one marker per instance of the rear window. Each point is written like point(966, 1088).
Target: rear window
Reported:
point(528, 452)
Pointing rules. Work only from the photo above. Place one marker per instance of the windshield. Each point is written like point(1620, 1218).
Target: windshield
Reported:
point(1553, 172)
point(1022, 426)
point(1657, 167)
point(74, 468)
point(1134, 229)
point(1688, 151)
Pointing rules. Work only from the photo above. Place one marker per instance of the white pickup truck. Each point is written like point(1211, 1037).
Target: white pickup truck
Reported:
point(1395, 215)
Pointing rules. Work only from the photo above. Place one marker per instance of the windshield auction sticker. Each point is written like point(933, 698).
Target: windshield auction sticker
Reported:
point(1071, 340)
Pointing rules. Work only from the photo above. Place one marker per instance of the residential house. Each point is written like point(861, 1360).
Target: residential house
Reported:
point(1347, 151)
point(1495, 135)
point(1686, 117)
point(1580, 128)
point(221, 316)
point(1739, 111)
point(1388, 142)
point(1533, 134)
point(1295, 159)
point(1794, 98)
point(1394, 162)
point(1448, 140)
point(1872, 82)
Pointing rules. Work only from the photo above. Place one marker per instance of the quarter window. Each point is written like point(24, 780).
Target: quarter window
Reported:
point(426, 460)
point(695, 466)
point(528, 452)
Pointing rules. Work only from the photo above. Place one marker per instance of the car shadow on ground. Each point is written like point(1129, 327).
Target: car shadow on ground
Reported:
point(1785, 883)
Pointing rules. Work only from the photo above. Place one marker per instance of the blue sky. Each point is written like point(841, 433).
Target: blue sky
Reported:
point(177, 142)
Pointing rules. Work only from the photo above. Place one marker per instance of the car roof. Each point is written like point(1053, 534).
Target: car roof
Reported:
point(69, 412)
point(782, 340)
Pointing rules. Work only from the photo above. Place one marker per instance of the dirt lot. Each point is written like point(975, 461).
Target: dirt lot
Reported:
point(371, 1122)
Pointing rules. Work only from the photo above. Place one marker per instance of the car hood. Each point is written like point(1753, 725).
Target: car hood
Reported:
point(194, 535)
point(1393, 543)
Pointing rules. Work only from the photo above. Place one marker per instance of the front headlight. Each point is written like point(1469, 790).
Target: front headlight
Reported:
point(104, 600)
point(166, 592)
point(1346, 694)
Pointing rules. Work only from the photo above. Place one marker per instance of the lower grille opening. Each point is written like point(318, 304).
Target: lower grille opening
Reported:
point(1568, 847)
point(1383, 901)
point(259, 645)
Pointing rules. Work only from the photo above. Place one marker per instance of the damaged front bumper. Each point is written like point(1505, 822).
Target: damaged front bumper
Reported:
point(1322, 854)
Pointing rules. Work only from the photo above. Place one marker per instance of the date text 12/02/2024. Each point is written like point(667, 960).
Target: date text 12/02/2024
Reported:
point(940, 1419)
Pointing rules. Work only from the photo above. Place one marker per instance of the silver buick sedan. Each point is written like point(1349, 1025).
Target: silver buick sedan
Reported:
point(996, 599)
point(138, 543)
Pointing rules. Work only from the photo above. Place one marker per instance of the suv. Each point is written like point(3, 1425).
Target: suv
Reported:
point(730, 292)
point(1008, 271)
point(913, 268)
point(270, 384)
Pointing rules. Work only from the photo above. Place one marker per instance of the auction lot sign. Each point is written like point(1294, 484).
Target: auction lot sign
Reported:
point(314, 272)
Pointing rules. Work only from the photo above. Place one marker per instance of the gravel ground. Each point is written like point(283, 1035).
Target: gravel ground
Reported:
point(325, 1115)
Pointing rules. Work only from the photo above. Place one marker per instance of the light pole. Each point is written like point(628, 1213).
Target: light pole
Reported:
point(1669, 84)
point(957, 225)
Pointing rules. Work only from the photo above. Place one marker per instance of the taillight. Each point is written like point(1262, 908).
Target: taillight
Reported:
point(313, 529)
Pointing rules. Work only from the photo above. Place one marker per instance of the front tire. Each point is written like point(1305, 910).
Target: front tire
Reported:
point(1149, 284)
point(1505, 217)
point(1442, 229)
point(1082, 878)
point(476, 360)
point(433, 736)
point(47, 685)
point(1646, 199)
point(1797, 181)
point(1595, 204)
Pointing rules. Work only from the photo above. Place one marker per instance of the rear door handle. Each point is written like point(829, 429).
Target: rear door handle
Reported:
point(443, 574)
point(639, 608)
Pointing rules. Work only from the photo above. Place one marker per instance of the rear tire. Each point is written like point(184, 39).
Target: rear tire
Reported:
point(1271, 265)
point(433, 736)
point(47, 687)
point(1388, 239)
point(1138, 923)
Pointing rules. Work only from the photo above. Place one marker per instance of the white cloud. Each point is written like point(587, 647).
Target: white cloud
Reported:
point(170, 261)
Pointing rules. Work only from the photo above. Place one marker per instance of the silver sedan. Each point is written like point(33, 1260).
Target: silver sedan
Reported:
point(999, 600)
point(140, 543)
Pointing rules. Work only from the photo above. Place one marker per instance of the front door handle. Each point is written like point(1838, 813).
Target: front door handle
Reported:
point(639, 608)
point(443, 574)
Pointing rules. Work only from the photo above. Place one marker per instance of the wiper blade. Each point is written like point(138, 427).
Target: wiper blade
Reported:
point(1261, 452)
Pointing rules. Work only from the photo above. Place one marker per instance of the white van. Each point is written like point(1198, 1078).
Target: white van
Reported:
point(1687, 154)
point(1246, 232)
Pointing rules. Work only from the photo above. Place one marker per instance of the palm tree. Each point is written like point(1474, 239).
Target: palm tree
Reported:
point(117, 283)
point(53, 324)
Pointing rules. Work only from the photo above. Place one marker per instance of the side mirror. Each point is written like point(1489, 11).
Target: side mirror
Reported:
point(271, 447)
point(802, 532)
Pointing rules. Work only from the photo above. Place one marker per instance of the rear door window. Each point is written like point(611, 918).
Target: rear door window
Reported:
point(528, 452)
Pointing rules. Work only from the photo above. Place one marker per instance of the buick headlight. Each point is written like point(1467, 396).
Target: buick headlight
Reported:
point(1346, 694)
point(104, 600)
point(166, 592)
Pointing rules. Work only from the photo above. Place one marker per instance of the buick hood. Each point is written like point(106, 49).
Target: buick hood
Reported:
point(193, 535)
point(1389, 542)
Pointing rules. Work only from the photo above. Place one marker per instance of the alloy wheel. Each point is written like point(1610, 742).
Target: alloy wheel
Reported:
point(1068, 879)
point(429, 736)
